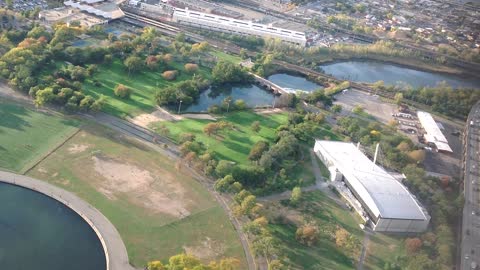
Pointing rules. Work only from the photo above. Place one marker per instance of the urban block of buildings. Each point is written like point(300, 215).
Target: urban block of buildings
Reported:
point(385, 203)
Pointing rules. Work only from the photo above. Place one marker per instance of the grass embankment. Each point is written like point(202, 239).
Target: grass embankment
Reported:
point(328, 215)
point(234, 144)
point(26, 135)
point(158, 210)
point(144, 85)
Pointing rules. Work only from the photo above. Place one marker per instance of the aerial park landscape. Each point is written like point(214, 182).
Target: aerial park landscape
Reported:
point(227, 135)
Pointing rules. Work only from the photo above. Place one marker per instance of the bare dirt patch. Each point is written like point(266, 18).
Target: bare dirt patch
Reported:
point(268, 111)
point(207, 249)
point(201, 116)
point(160, 114)
point(159, 193)
point(77, 148)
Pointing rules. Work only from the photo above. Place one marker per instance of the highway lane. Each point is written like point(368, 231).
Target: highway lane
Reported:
point(470, 238)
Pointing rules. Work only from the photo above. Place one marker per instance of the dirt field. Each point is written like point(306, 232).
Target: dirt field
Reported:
point(158, 210)
point(373, 105)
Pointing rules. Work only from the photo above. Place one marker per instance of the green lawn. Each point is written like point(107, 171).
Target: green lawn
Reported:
point(139, 209)
point(231, 145)
point(383, 248)
point(144, 85)
point(227, 57)
point(325, 254)
point(26, 135)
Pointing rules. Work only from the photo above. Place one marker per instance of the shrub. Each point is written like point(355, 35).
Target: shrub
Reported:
point(191, 68)
point(122, 91)
point(169, 75)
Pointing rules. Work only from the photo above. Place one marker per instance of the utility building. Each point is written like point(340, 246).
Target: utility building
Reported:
point(238, 27)
point(433, 134)
point(385, 203)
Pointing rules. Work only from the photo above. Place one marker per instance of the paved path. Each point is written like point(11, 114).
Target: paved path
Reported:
point(115, 251)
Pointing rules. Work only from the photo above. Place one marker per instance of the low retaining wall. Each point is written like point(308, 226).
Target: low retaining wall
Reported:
point(116, 256)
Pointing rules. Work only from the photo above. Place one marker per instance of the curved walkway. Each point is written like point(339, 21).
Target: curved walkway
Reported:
point(115, 251)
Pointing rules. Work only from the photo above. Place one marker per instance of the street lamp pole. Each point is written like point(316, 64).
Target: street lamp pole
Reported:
point(179, 107)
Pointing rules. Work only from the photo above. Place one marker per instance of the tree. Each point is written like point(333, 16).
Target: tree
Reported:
point(248, 204)
point(413, 245)
point(417, 155)
point(224, 167)
point(211, 128)
point(191, 68)
point(122, 91)
point(257, 150)
point(256, 126)
point(336, 108)
point(398, 98)
point(358, 109)
point(133, 64)
point(155, 265)
point(169, 75)
point(296, 195)
point(341, 237)
point(223, 184)
point(307, 234)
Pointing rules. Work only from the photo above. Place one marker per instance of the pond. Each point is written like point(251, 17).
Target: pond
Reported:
point(293, 83)
point(253, 96)
point(38, 232)
point(372, 71)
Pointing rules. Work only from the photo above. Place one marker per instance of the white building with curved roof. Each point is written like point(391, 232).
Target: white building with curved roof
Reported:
point(386, 202)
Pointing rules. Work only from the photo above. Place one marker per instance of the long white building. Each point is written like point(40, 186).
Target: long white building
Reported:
point(385, 202)
point(433, 133)
point(235, 26)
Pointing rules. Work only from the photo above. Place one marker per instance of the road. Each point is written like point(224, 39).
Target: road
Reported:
point(470, 238)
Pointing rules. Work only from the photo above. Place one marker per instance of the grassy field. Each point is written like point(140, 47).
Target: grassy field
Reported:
point(158, 209)
point(26, 135)
point(383, 248)
point(328, 215)
point(144, 85)
point(231, 145)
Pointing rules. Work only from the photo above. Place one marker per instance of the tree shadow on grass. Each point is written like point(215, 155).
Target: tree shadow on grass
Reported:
point(11, 116)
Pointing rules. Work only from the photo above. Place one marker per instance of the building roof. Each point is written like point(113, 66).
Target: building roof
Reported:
point(239, 25)
point(433, 132)
point(384, 196)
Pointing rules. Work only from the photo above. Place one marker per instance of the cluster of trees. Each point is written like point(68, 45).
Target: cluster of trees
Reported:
point(444, 99)
point(189, 262)
point(436, 249)
point(186, 92)
point(227, 104)
point(397, 151)
point(227, 72)
point(23, 65)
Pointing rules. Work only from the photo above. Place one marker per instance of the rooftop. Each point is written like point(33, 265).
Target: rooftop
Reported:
point(384, 195)
point(433, 132)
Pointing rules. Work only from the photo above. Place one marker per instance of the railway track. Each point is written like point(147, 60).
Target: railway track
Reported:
point(152, 22)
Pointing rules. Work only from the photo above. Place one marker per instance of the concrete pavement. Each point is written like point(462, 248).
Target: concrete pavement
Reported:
point(115, 252)
point(469, 258)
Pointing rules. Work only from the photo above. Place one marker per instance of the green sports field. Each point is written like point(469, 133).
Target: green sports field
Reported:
point(26, 134)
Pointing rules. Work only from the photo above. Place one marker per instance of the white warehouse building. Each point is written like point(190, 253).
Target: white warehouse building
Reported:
point(235, 26)
point(433, 133)
point(385, 202)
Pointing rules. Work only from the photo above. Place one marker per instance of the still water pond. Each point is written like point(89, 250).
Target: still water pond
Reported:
point(293, 83)
point(38, 232)
point(363, 71)
point(253, 96)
